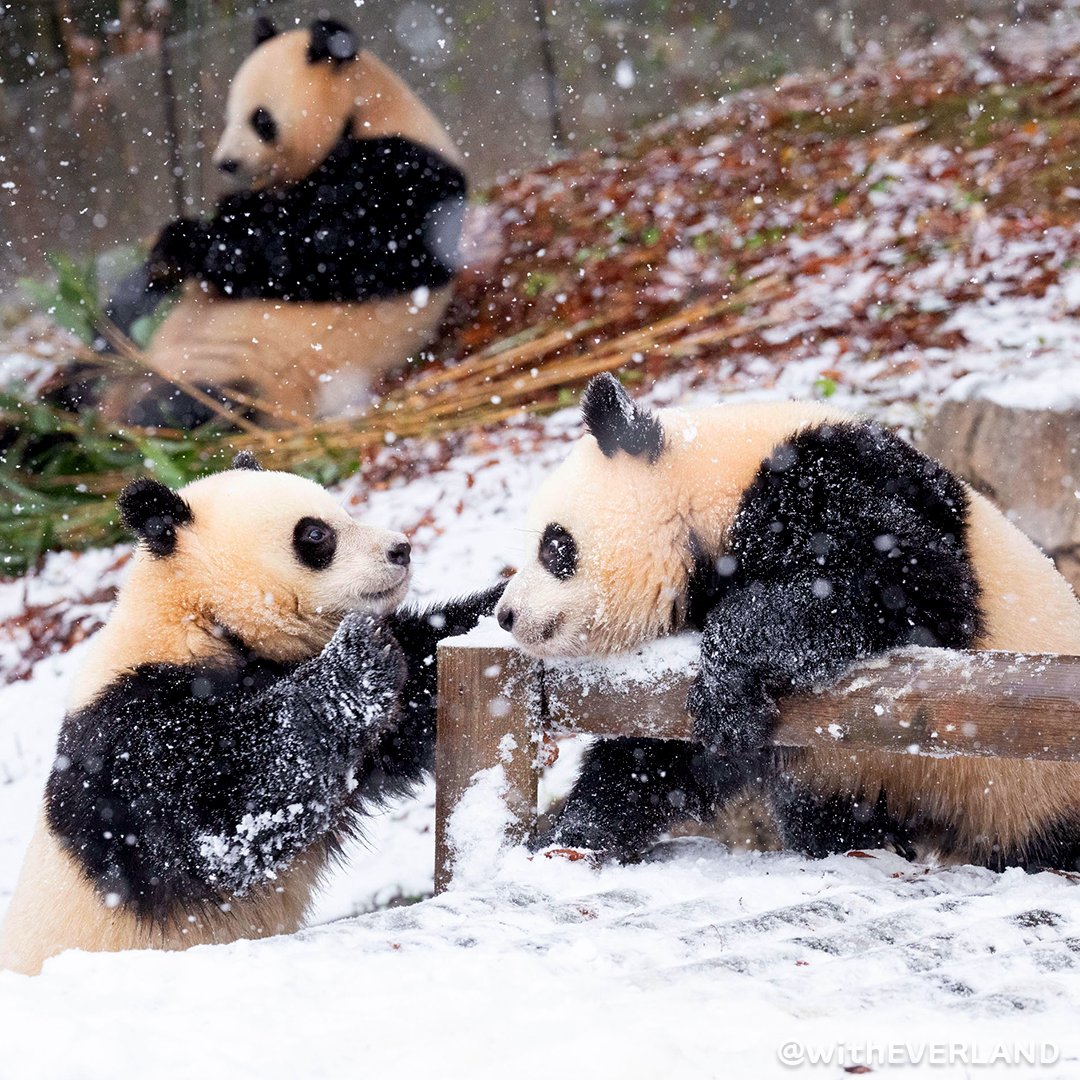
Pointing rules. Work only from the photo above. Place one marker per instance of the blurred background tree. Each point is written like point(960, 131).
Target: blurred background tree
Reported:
point(46, 37)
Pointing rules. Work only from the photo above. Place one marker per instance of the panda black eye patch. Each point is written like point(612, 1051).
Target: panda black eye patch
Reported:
point(264, 125)
point(314, 542)
point(558, 553)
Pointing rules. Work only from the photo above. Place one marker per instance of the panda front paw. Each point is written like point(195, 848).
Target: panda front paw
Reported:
point(364, 663)
point(369, 642)
point(732, 717)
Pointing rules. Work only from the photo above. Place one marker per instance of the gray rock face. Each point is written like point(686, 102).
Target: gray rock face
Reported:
point(1027, 461)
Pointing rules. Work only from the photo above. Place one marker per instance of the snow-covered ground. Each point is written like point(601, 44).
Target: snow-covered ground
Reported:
point(700, 962)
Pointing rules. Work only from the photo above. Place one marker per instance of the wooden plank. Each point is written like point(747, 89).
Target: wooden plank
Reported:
point(485, 695)
point(929, 701)
point(584, 698)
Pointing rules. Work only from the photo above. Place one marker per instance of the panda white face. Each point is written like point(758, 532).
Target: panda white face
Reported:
point(552, 603)
point(288, 105)
point(266, 556)
point(609, 561)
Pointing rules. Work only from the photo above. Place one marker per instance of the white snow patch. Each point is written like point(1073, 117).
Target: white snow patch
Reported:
point(1050, 386)
point(487, 634)
point(651, 664)
point(480, 827)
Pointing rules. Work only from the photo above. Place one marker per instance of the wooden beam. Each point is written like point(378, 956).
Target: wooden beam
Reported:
point(929, 701)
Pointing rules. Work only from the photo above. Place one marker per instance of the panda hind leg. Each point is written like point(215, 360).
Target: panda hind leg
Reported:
point(818, 823)
point(630, 791)
point(161, 404)
point(1054, 846)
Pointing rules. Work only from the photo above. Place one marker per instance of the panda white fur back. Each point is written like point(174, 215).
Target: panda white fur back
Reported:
point(234, 719)
point(801, 539)
point(333, 262)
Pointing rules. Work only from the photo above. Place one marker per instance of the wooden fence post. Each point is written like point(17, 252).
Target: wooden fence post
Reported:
point(489, 714)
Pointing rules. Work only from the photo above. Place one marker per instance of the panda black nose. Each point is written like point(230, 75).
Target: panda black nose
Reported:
point(399, 554)
point(228, 165)
point(506, 618)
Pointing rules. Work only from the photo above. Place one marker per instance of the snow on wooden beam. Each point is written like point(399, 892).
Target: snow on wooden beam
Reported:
point(495, 705)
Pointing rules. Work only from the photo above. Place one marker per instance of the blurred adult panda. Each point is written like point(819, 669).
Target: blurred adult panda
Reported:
point(330, 263)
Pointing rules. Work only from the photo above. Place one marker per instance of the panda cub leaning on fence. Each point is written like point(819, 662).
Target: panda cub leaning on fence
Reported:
point(330, 264)
point(799, 539)
point(242, 709)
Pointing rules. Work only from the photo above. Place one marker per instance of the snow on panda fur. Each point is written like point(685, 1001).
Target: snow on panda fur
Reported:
point(799, 539)
point(330, 265)
point(241, 708)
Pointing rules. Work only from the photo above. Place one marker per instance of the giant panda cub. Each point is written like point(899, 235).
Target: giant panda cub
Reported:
point(331, 262)
point(238, 713)
point(798, 539)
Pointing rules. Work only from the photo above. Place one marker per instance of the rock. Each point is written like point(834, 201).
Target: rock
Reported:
point(1026, 460)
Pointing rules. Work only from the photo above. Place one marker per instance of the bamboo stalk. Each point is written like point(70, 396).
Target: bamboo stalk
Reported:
point(497, 354)
point(519, 375)
point(469, 371)
point(447, 412)
point(139, 358)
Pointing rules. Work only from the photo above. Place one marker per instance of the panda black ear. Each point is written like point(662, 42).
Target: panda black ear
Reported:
point(264, 30)
point(247, 460)
point(153, 513)
point(617, 423)
point(331, 40)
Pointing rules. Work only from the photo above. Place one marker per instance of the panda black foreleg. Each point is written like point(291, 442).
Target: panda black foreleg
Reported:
point(630, 791)
point(769, 639)
point(406, 752)
point(184, 784)
point(179, 252)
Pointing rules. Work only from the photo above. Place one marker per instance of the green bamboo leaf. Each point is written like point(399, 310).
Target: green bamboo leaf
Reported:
point(162, 462)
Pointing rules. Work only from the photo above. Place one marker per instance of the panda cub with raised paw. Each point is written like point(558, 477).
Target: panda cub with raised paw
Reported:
point(242, 708)
point(798, 539)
